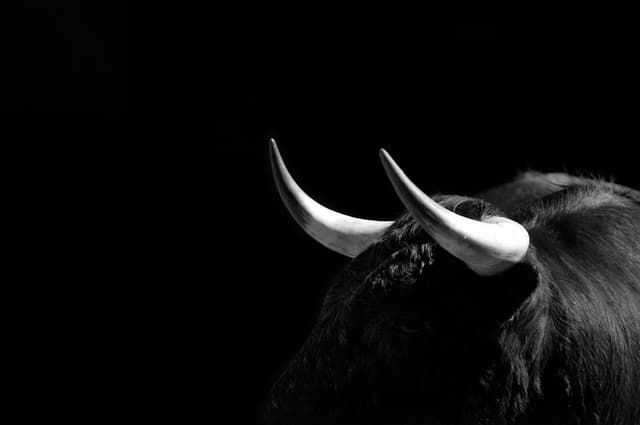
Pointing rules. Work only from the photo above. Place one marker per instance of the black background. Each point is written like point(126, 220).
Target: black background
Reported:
point(168, 113)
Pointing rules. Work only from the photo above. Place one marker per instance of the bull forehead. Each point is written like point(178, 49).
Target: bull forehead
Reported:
point(403, 268)
point(393, 258)
point(400, 255)
point(392, 266)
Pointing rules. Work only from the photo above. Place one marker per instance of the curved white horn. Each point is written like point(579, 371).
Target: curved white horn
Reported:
point(341, 233)
point(488, 247)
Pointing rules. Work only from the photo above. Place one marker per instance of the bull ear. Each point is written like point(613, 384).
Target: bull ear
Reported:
point(487, 247)
point(339, 232)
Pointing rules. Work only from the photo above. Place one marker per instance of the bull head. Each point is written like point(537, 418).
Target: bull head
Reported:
point(384, 337)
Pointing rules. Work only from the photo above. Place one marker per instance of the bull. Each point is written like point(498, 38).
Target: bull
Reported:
point(520, 305)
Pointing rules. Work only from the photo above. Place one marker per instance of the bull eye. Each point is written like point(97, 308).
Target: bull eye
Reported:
point(411, 326)
point(409, 330)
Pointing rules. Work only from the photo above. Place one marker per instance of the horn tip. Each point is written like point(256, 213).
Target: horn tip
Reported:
point(388, 163)
point(273, 147)
point(384, 155)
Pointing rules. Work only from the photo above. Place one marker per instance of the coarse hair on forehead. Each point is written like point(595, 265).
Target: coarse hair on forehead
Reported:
point(391, 264)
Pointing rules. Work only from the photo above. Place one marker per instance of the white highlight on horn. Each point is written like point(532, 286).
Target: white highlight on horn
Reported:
point(487, 247)
point(339, 232)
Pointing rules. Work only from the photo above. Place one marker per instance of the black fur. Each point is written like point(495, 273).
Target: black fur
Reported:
point(409, 335)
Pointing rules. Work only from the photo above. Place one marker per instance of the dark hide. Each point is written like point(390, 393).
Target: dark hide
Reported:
point(409, 335)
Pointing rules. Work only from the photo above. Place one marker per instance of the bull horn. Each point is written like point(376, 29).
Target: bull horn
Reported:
point(341, 233)
point(487, 247)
